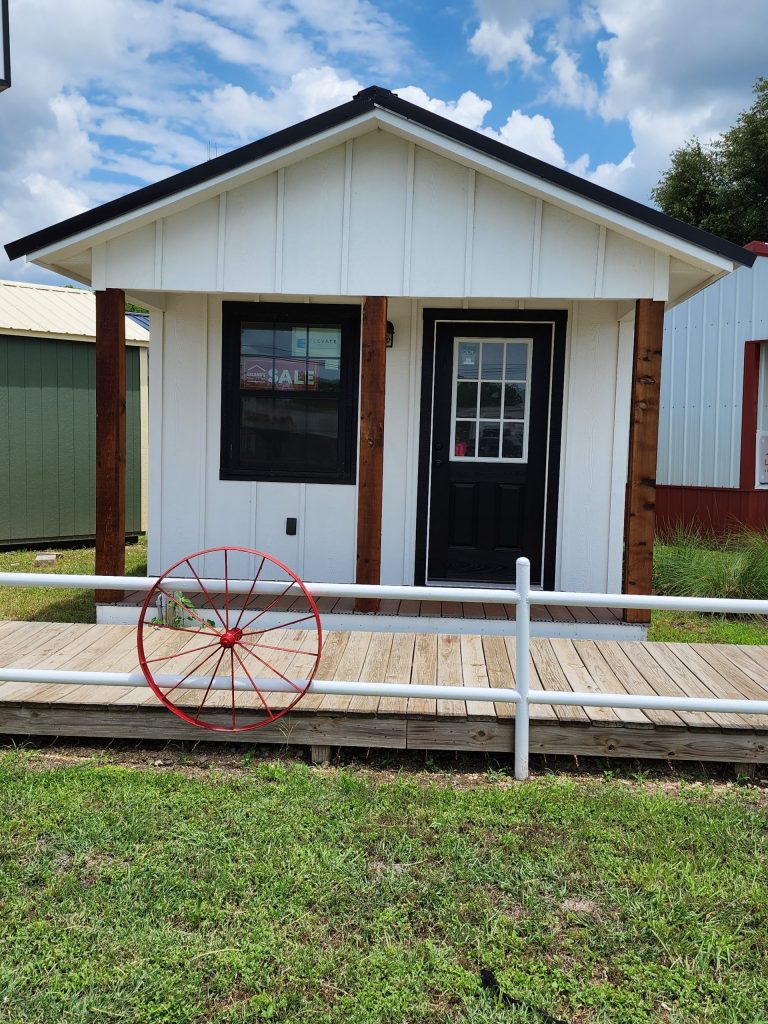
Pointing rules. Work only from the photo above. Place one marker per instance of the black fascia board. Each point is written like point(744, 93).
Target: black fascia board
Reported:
point(364, 102)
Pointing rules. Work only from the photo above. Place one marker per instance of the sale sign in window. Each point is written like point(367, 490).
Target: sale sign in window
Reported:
point(262, 374)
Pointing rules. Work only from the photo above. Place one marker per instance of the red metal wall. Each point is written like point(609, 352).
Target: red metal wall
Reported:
point(711, 509)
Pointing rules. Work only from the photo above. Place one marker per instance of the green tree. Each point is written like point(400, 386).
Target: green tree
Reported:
point(723, 187)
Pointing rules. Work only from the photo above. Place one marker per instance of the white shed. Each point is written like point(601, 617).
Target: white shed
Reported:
point(523, 306)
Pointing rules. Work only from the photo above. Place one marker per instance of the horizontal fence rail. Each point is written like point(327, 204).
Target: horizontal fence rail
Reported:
point(522, 597)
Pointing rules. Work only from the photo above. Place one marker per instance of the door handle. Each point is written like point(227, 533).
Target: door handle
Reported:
point(437, 462)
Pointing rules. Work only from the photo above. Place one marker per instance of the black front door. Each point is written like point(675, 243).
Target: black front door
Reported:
point(493, 447)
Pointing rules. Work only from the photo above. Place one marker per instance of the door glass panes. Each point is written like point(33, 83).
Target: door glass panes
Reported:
point(490, 399)
point(466, 399)
point(469, 360)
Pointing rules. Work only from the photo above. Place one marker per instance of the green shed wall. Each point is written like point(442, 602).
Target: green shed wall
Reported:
point(48, 440)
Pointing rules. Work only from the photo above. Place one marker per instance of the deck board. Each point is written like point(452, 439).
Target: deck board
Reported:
point(449, 673)
point(400, 722)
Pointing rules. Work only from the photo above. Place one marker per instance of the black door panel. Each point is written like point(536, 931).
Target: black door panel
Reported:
point(483, 515)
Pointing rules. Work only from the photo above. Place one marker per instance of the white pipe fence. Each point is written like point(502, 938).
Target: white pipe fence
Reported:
point(523, 597)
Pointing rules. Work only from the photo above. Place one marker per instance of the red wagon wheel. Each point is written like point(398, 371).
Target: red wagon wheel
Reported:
point(208, 653)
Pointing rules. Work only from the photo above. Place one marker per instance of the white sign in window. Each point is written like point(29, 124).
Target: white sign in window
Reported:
point(489, 416)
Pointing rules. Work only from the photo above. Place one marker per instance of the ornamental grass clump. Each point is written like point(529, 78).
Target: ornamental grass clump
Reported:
point(689, 563)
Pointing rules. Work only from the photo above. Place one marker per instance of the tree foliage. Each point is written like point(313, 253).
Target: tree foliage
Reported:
point(723, 187)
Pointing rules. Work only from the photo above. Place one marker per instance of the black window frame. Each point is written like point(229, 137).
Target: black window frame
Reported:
point(234, 315)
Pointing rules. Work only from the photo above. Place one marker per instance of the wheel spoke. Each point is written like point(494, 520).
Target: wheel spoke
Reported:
point(232, 677)
point(271, 605)
point(188, 611)
point(287, 650)
point(188, 674)
point(208, 596)
point(226, 590)
point(210, 684)
point(282, 625)
point(299, 689)
point(250, 679)
point(176, 629)
point(250, 592)
point(181, 654)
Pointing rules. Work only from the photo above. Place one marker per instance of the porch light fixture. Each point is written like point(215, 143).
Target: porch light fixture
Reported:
point(5, 47)
point(390, 334)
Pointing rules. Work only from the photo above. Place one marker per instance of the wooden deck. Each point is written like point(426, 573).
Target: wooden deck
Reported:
point(411, 723)
point(421, 609)
point(465, 617)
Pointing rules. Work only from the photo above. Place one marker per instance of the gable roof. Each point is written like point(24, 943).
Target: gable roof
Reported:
point(365, 102)
point(50, 311)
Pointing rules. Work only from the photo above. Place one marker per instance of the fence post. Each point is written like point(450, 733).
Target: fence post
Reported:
point(522, 657)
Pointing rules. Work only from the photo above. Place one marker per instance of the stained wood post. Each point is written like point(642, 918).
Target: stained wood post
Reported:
point(373, 367)
point(640, 523)
point(110, 437)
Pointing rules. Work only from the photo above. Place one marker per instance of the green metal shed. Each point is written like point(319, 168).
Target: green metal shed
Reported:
point(48, 416)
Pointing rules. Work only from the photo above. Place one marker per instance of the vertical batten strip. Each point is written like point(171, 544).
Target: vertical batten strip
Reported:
point(202, 419)
point(159, 253)
point(279, 228)
point(411, 459)
point(408, 233)
point(373, 366)
point(221, 242)
point(643, 440)
point(536, 247)
point(660, 276)
point(144, 434)
point(99, 267)
point(345, 219)
point(600, 263)
point(110, 438)
point(155, 560)
point(469, 239)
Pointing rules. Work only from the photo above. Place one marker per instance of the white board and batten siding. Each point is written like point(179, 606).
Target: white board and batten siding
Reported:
point(378, 215)
point(191, 508)
point(702, 378)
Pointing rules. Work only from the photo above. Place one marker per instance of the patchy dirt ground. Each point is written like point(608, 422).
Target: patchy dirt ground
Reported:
point(458, 771)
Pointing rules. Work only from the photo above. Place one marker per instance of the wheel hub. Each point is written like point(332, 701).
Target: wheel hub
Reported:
point(230, 637)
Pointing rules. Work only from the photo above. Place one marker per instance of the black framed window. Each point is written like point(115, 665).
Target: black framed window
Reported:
point(289, 392)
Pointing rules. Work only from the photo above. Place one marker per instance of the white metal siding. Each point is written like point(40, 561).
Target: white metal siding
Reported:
point(702, 376)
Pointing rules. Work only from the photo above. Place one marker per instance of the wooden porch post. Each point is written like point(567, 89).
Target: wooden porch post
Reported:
point(640, 523)
point(110, 437)
point(373, 359)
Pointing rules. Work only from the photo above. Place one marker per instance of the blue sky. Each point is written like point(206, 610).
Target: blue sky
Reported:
point(109, 95)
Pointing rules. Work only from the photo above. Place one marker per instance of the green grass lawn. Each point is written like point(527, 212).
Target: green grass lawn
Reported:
point(689, 627)
point(49, 604)
point(283, 894)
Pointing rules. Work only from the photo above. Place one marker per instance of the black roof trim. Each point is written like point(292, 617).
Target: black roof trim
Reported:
point(362, 103)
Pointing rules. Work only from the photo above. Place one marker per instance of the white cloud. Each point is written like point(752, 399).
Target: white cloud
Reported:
point(535, 135)
point(574, 87)
point(501, 47)
point(233, 111)
point(469, 109)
